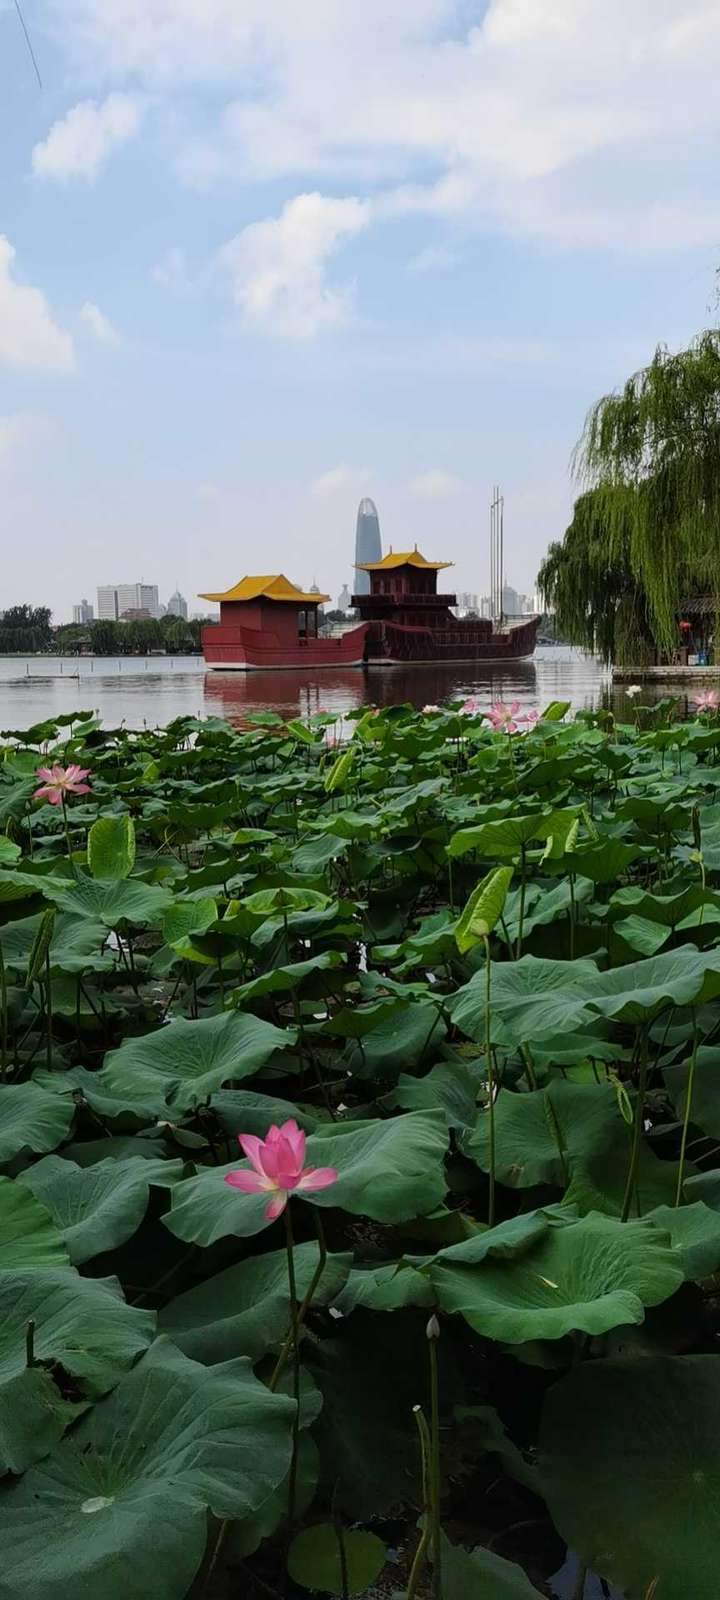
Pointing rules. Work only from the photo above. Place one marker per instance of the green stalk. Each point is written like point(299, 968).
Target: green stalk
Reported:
point(521, 916)
point(433, 1335)
point(686, 1116)
point(68, 840)
point(4, 1017)
point(48, 1012)
point(425, 1535)
point(490, 1069)
point(637, 1129)
point(304, 1308)
point(292, 1482)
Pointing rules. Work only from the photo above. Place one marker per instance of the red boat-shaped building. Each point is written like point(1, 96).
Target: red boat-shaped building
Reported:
point(269, 623)
point(407, 620)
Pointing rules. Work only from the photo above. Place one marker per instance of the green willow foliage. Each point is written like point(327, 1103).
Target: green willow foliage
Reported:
point(647, 528)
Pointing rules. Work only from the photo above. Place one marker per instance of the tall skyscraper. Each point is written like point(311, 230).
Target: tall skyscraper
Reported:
point(177, 605)
point(367, 542)
point(84, 612)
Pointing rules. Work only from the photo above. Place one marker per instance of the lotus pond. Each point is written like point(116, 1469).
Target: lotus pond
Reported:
point(452, 1306)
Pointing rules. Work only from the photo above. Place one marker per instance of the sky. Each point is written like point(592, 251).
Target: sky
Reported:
point(259, 259)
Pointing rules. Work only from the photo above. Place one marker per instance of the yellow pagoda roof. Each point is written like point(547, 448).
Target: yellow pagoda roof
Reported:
point(402, 558)
point(276, 587)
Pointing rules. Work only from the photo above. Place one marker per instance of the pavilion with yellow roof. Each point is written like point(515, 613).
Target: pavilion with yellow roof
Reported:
point(267, 622)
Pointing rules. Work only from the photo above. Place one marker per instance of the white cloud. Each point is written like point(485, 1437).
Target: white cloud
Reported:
point(100, 326)
point(18, 433)
point(278, 266)
point(434, 258)
point(496, 108)
point(435, 484)
point(29, 339)
point(80, 143)
point(171, 269)
point(340, 479)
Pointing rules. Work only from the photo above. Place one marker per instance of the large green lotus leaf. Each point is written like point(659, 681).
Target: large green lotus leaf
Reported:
point(592, 1276)
point(392, 1171)
point(82, 1323)
point(533, 997)
point(244, 1111)
point(481, 1575)
point(32, 1119)
point(668, 910)
point(529, 998)
point(411, 1034)
point(504, 840)
point(630, 1468)
point(28, 1237)
point(97, 1207)
point(451, 1087)
point(123, 1502)
point(705, 1108)
point(33, 1416)
point(109, 902)
point(284, 980)
point(245, 1310)
point(638, 992)
point(184, 1062)
point(385, 1288)
point(695, 1232)
point(111, 847)
point(76, 945)
point(541, 1136)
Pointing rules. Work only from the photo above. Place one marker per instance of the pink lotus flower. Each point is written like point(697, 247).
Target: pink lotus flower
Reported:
point(470, 707)
point(531, 717)
point(707, 700)
point(59, 782)
point(277, 1162)
point(503, 717)
point(428, 709)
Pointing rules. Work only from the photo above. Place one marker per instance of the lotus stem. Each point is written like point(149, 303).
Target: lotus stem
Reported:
point(68, 840)
point(490, 1069)
point(304, 1308)
point(48, 1012)
point(30, 1344)
point(433, 1336)
point(686, 1116)
point(426, 1530)
point(637, 1129)
point(3, 1017)
point(290, 1247)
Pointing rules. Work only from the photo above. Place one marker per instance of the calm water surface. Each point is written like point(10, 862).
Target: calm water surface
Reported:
point(153, 690)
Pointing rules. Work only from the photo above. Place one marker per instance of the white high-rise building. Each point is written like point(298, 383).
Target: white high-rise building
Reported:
point(177, 606)
point(115, 598)
point(83, 613)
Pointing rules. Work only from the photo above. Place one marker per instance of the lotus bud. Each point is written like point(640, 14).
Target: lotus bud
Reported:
point(432, 1330)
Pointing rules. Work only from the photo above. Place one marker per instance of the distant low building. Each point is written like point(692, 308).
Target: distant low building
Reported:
point(136, 614)
point(83, 613)
point(177, 606)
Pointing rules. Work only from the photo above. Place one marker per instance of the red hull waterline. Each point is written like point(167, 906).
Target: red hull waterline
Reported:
point(238, 649)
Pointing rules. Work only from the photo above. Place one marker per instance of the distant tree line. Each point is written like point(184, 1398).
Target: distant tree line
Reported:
point(26, 630)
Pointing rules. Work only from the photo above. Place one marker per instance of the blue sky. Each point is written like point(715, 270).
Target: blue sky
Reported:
point(259, 259)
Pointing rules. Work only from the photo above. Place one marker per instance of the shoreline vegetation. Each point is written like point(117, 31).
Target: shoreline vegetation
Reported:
point(359, 1153)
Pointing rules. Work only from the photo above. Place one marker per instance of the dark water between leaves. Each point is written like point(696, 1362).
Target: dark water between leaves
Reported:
point(153, 690)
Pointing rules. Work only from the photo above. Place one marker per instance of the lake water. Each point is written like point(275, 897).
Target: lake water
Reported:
point(153, 690)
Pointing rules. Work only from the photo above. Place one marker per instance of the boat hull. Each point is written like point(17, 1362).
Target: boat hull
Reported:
point(238, 649)
point(397, 644)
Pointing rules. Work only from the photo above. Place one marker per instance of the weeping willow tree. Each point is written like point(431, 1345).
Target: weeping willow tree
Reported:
point(646, 530)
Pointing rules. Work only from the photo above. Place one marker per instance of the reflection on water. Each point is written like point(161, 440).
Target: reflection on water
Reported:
point(554, 674)
point(153, 690)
